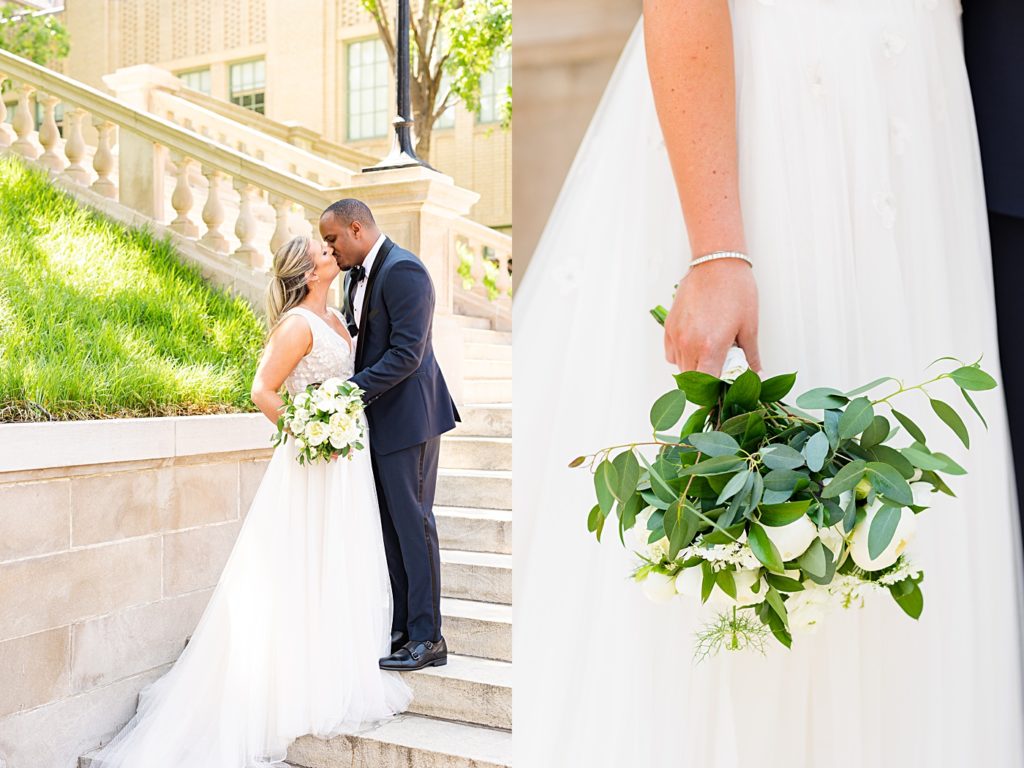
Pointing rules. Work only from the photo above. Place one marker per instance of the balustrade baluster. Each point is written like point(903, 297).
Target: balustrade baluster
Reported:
point(24, 125)
point(74, 146)
point(213, 213)
point(282, 230)
point(245, 226)
point(103, 160)
point(49, 135)
point(182, 198)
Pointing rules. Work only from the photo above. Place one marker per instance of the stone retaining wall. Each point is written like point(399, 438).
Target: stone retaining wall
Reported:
point(112, 536)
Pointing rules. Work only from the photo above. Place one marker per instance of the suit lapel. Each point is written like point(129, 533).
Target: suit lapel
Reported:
point(382, 254)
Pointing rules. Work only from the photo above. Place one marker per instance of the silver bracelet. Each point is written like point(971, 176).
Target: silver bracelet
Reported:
point(721, 255)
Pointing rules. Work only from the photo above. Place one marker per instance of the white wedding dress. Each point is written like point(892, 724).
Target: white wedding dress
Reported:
point(862, 197)
point(290, 640)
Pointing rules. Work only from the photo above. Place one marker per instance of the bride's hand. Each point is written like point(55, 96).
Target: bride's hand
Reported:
point(715, 307)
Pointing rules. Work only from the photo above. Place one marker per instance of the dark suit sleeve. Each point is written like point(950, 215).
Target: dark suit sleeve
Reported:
point(408, 297)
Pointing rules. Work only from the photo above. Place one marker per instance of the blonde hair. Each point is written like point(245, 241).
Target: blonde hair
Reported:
point(288, 284)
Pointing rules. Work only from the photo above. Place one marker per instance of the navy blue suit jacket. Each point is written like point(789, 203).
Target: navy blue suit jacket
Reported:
point(407, 399)
point(994, 51)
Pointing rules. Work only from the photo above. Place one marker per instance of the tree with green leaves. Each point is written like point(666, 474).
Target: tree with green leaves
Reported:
point(453, 43)
point(40, 38)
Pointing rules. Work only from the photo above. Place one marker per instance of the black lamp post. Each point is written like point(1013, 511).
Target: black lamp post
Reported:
point(402, 154)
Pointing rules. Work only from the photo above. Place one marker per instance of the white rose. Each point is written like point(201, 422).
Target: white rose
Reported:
point(745, 580)
point(859, 540)
point(316, 432)
point(302, 400)
point(301, 415)
point(659, 587)
point(735, 363)
point(332, 385)
point(300, 443)
point(689, 580)
point(833, 538)
point(637, 536)
point(343, 437)
point(807, 609)
point(296, 427)
point(340, 422)
point(658, 549)
point(792, 540)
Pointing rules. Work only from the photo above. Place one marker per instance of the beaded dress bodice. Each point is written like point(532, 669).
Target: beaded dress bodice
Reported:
point(331, 355)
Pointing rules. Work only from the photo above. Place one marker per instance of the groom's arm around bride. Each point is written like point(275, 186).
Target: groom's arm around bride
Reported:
point(389, 303)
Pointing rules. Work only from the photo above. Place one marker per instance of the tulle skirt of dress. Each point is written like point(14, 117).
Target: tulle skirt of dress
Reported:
point(864, 210)
point(290, 641)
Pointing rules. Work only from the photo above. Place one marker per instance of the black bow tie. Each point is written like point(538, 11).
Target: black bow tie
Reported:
point(357, 275)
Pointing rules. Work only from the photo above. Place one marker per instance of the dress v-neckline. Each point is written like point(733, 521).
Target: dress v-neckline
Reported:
point(351, 347)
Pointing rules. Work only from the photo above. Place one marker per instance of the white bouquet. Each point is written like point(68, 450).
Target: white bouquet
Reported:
point(324, 420)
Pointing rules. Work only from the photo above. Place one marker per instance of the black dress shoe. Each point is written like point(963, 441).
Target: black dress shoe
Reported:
point(417, 654)
point(398, 639)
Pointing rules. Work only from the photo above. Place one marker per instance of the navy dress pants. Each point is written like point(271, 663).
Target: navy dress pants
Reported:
point(406, 482)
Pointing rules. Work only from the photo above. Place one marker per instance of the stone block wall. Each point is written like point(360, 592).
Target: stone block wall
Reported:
point(112, 537)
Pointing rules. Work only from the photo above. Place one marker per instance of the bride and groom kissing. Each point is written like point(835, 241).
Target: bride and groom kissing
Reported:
point(333, 584)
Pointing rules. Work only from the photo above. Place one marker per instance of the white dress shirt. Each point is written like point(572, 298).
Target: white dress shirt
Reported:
point(357, 300)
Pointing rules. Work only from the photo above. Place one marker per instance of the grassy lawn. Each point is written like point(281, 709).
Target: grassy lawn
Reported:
point(99, 321)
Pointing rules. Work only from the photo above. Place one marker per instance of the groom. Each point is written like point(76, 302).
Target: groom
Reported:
point(389, 306)
point(994, 50)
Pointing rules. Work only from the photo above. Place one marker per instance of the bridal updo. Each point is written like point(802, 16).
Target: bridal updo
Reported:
point(288, 277)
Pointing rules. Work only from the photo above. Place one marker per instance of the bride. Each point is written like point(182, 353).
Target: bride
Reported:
point(290, 640)
point(833, 143)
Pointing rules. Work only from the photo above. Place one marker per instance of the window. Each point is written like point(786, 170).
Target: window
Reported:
point(248, 84)
point(367, 90)
point(494, 89)
point(197, 80)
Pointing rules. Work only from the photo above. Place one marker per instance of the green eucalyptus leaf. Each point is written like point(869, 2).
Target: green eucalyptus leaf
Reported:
point(890, 455)
point(658, 483)
point(695, 421)
point(577, 461)
point(912, 602)
point(822, 397)
point(726, 582)
point(922, 458)
point(864, 388)
point(815, 450)
point(774, 599)
point(605, 482)
point(778, 515)
point(845, 479)
point(813, 560)
point(627, 470)
point(628, 512)
point(714, 466)
point(780, 456)
point(970, 377)
point(763, 549)
point(776, 387)
point(952, 419)
point(887, 481)
point(783, 480)
point(714, 443)
point(950, 467)
point(909, 425)
point(883, 527)
point(831, 427)
point(876, 432)
point(974, 407)
point(856, 418)
point(708, 582)
point(668, 409)
point(595, 521)
point(736, 484)
point(784, 583)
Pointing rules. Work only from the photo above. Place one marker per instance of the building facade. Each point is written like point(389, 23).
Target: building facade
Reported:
point(316, 63)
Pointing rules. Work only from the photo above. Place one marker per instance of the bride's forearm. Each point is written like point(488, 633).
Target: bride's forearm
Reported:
point(690, 61)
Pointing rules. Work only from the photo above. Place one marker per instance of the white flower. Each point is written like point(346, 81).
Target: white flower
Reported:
point(806, 609)
point(859, 540)
point(659, 587)
point(301, 415)
point(332, 386)
point(736, 553)
point(300, 443)
point(296, 427)
point(342, 437)
point(833, 538)
point(792, 540)
point(341, 422)
point(316, 432)
point(745, 580)
point(689, 581)
point(302, 400)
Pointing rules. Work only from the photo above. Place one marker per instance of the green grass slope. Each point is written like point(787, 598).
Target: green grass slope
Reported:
point(101, 321)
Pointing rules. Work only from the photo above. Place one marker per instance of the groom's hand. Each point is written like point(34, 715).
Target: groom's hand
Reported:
point(715, 307)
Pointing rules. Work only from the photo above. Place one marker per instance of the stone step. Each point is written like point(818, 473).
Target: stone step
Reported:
point(486, 336)
point(466, 690)
point(476, 452)
point(481, 576)
point(474, 530)
point(487, 390)
point(478, 488)
point(486, 351)
point(487, 369)
point(473, 628)
point(408, 741)
point(488, 420)
point(470, 321)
